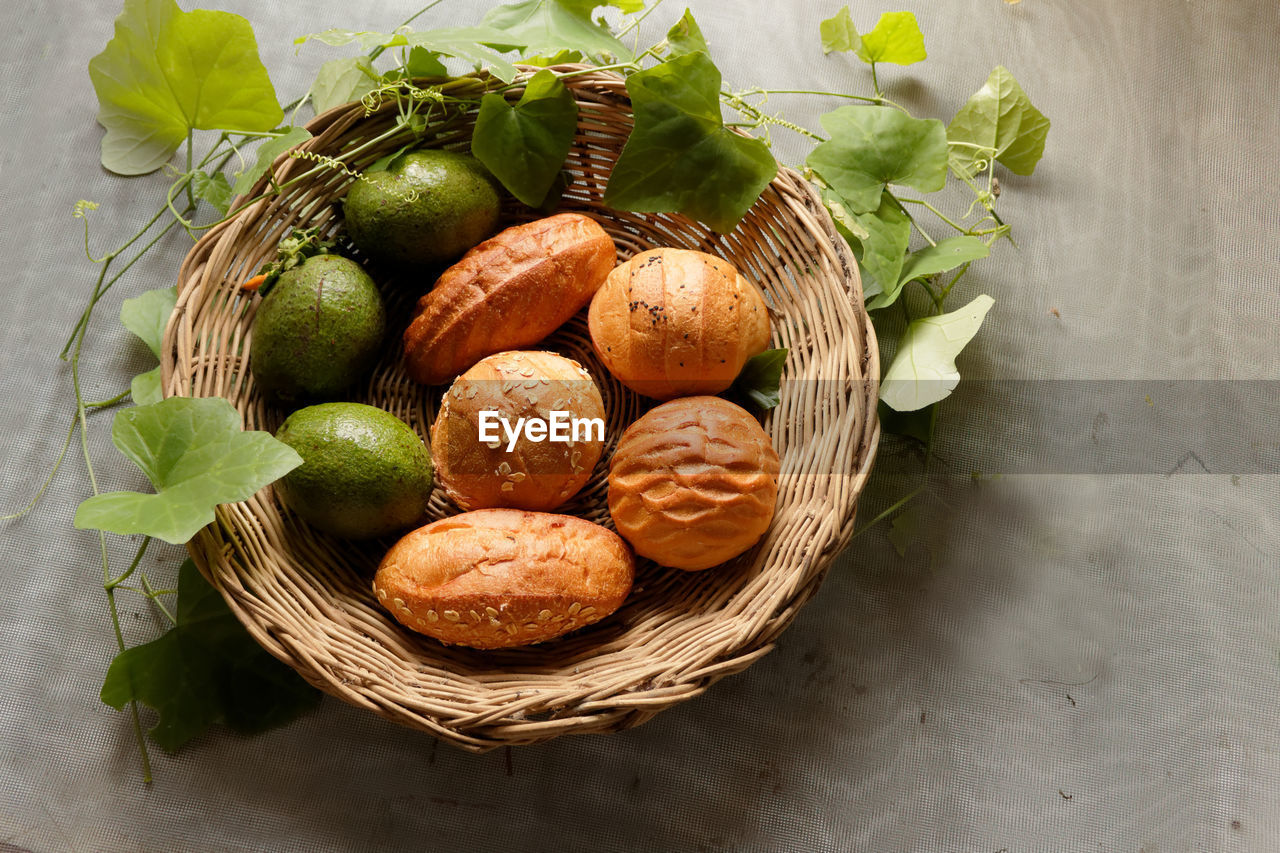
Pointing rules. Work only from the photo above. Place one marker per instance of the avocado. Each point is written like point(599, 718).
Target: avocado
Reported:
point(427, 207)
point(318, 330)
point(364, 473)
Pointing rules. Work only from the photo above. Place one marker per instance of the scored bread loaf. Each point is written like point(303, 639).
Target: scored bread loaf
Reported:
point(693, 483)
point(525, 474)
point(675, 322)
point(496, 578)
point(509, 292)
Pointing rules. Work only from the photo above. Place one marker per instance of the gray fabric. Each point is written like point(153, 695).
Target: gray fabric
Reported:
point(1068, 658)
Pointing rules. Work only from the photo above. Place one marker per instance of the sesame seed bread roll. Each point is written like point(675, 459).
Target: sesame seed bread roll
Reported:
point(534, 475)
point(496, 578)
point(509, 292)
point(693, 483)
point(674, 323)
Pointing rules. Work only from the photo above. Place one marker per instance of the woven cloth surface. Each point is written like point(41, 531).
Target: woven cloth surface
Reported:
point(1080, 649)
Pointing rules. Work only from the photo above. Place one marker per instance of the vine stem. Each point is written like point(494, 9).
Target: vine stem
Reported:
point(93, 485)
point(936, 212)
point(864, 98)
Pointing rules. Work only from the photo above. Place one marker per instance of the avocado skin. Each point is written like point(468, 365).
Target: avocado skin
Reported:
point(456, 207)
point(365, 473)
point(318, 331)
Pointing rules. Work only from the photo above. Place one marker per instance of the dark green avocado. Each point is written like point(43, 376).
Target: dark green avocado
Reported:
point(318, 331)
point(364, 472)
point(427, 207)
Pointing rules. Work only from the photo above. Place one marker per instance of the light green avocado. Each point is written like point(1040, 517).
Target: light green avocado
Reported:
point(318, 331)
point(426, 207)
point(364, 473)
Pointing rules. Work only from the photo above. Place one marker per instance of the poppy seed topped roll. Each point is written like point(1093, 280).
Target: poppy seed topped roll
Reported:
point(674, 322)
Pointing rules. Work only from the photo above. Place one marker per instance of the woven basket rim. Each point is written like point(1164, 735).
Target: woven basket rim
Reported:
point(343, 647)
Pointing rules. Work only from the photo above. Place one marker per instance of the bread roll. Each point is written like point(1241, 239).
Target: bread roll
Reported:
point(503, 577)
point(509, 292)
point(673, 322)
point(693, 483)
point(536, 475)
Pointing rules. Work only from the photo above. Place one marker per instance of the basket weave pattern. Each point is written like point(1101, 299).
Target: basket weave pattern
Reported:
point(306, 597)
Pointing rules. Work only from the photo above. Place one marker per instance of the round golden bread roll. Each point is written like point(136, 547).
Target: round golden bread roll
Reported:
point(511, 291)
point(496, 578)
point(674, 322)
point(513, 469)
point(693, 483)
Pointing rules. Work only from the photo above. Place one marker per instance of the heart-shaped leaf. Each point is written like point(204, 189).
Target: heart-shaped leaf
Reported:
point(876, 145)
point(924, 368)
point(680, 157)
point(195, 453)
point(166, 72)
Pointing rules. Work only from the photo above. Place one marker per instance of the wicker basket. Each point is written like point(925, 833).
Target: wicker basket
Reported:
point(306, 597)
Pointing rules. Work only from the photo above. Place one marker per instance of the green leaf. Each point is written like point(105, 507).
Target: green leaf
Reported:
point(146, 316)
point(212, 188)
point(205, 670)
point(680, 157)
point(885, 247)
point(559, 58)
point(896, 38)
point(468, 43)
point(760, 378)
point(268, 151)
point(686, 37)
point(846, 223)
point(341, 81)
point(145, 388)
point(873, 146)
point(425, 63)
point(947, 255)
point(166, 72)
point(1001, 121)
point(525, 144)
point(549, 26)
point(195, 453)
point(917, 424)
point(839, 33)
point(924, 368)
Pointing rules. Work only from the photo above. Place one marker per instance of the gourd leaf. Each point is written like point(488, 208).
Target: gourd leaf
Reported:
point(525, 144)
point(882, 251)
point(340, 81)
point(924, 368)
point(873, 146)
point(472, 44)
point(205, 670)
point(1000, 120)
point(686, 37)
point(212, 188)
point(195, 453)
point(146, 316)
point(267, 153)
point(166, 72)
point(546, 27)
point(760, 379)
point(680, 157)
point(895, 38)
point(946, 256)
point(839, 33)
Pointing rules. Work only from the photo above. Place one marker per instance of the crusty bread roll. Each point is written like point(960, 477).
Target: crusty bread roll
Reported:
point(495, 578)
point(674, 322)
point(693, 483)
point(536, 475)
point(509, 292)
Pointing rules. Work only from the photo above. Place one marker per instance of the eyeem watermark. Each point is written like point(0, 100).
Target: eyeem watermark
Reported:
point(562, 427)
